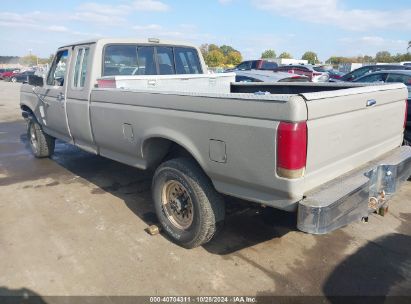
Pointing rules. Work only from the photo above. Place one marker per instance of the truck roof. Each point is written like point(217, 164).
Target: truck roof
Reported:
point(130, 40)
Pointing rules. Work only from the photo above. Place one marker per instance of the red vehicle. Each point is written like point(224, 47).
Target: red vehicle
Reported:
point(8, 74)
point(305, 70)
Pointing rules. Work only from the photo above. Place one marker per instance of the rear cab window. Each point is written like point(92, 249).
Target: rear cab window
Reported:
point(150, 60)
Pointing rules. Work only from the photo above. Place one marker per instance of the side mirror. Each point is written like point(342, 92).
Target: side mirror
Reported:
point(35, 80)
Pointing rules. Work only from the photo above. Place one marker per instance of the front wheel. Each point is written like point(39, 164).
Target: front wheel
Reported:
point(187, 206)
point(41, 144)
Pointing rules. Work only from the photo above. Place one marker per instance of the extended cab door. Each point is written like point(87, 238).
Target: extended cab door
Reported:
point(78, 97)
point(54, 97)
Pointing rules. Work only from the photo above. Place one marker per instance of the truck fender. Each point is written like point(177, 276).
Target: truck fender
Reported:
point(155, 147)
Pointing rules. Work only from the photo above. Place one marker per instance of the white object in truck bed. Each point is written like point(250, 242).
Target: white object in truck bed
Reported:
point(199, 83)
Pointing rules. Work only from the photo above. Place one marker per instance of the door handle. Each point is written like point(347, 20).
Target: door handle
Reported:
point(60, 97)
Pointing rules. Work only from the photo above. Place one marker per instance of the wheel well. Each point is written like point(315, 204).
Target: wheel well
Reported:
point(157, 150)
point(26, 108)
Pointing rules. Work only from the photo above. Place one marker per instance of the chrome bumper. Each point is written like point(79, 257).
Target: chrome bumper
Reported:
point(354, 195)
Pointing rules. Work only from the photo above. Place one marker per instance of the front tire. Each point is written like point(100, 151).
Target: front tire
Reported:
point(41, 144)
point(188, 207)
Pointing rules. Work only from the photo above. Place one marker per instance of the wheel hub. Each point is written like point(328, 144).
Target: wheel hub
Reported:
point(33, 137)
point(177, 204)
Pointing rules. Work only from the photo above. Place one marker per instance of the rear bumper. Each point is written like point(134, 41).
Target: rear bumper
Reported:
point(354, 195)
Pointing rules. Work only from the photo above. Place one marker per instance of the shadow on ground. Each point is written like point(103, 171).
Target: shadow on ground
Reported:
point(19, 296)
point(380, 268)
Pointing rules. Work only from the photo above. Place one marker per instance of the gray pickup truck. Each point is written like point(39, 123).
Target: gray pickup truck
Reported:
point(332, 152)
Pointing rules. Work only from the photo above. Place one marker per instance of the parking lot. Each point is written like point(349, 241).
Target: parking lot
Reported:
point(75, 225)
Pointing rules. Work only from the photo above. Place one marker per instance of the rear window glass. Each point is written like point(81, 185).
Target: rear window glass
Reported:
point(150, 60)
point(405, 79)
point(269, 65)
point(146, 63)
point(187, 61)
point(379, 77)
point(120, 60)
point(165, 60)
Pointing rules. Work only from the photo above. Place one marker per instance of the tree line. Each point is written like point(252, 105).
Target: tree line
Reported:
point(27, 60)
point(225, 55)
point(382, 56)
point(220, 56)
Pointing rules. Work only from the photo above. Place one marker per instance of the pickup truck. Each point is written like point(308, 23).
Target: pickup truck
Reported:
point(330, 152)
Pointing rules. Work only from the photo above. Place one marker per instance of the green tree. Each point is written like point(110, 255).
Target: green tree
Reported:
point(368, 59)
point(409, 46)
point(226, 49)
point(213, 47)
point(311, 57)
point(285, 55)
point(268, 54)
point(234, 58)
point(215, 58)
point(383, 56)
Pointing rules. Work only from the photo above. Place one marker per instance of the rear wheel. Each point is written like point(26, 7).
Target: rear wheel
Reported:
point(41, 144)
point(188, 207)
point(13, 79)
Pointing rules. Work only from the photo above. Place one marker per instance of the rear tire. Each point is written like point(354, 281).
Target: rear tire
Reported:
point(41, 144)
point(188, 207)
point(13, 79)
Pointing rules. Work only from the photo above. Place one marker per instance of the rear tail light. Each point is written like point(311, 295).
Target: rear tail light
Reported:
point(291, 149)
point(406, 113)
point(106, 83)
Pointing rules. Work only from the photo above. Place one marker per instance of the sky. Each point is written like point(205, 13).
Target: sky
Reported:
point(327, 27)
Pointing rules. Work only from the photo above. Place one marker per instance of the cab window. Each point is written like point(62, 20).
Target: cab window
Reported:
point(58, 70)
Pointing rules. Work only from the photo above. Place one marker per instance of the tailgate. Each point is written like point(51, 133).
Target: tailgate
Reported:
point(350, 127)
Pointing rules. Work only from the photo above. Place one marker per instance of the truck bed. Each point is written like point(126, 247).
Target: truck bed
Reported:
point(342, 132)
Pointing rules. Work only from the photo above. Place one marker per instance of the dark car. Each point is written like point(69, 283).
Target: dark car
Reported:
point(260, 64)
point(21, 77)
point(372, 68)
point(391, 76)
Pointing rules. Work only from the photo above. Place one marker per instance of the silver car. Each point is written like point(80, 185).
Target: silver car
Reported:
point(268, 76)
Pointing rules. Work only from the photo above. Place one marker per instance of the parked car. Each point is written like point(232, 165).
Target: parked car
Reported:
point(268, 76)
point(333, 73)
point(260, 64)
point(372, 68)
point(392, 76)
point(295, 147)
point(306, 70)
point(21, 77)
point(7, 73)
